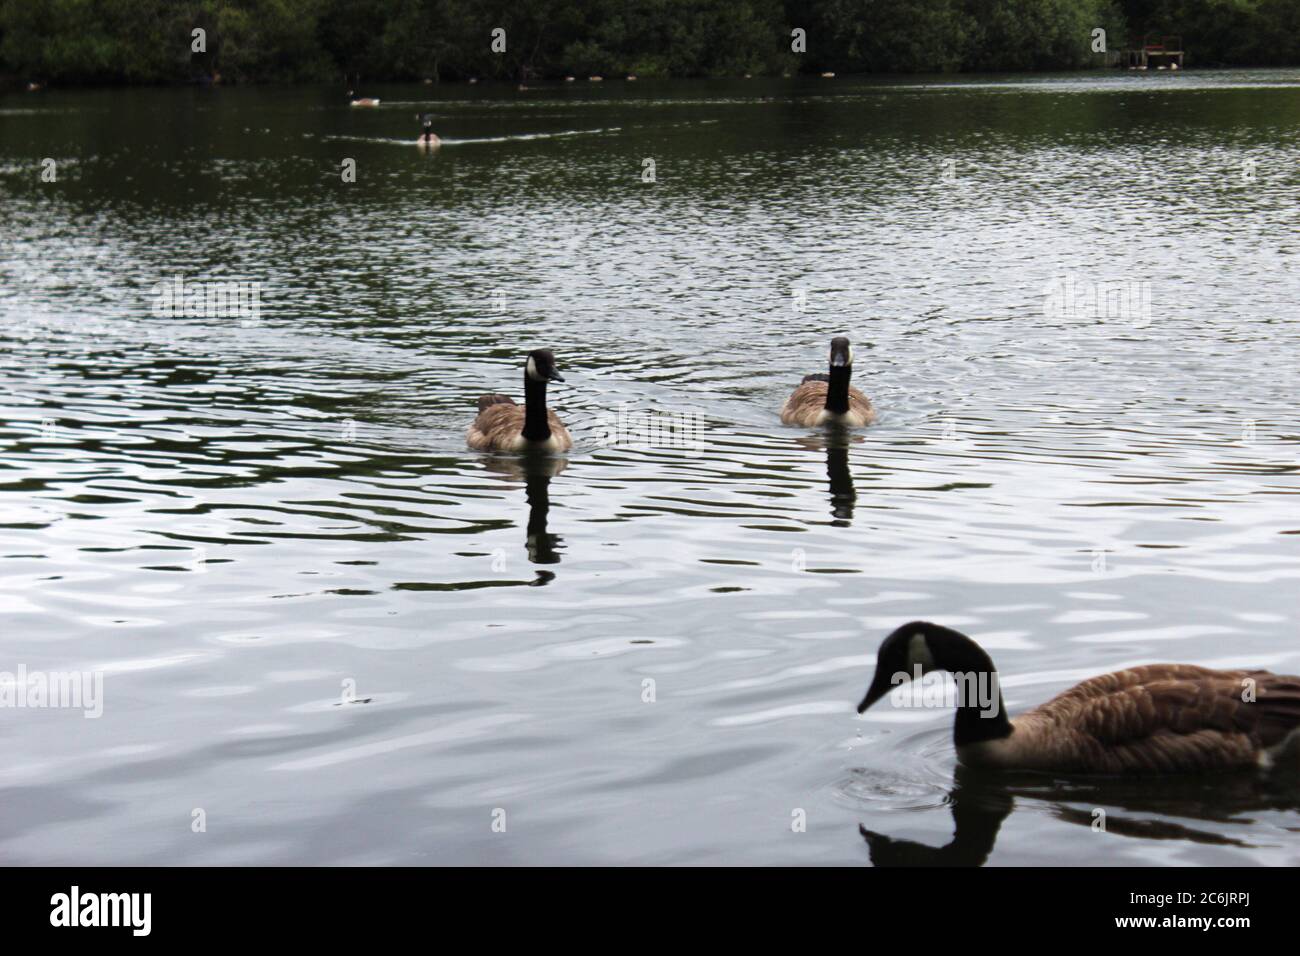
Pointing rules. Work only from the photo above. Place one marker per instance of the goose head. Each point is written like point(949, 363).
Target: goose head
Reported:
point(919, 648)
point(541, 367)
point(841, 353)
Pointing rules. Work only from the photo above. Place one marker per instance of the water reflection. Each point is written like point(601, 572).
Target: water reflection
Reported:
point(978, 808)
point(1143, 809)
point(536, 472)
point(836, 443)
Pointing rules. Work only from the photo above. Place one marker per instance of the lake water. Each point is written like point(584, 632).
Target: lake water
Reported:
point(328, 633)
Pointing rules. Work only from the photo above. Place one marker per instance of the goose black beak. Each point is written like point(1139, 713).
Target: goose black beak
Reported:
point(879, 688)
point(555, 376)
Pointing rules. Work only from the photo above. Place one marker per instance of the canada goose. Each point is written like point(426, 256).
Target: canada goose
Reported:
point(595, 79)
point(502, 425)
point(1157, 718)
point(828, 75)
point(569, 79)
point(427, 136)
point(827, 398)
point(631, 77)
point(361, 100)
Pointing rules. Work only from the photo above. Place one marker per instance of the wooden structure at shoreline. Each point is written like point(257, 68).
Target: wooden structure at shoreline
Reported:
point(1154, 52)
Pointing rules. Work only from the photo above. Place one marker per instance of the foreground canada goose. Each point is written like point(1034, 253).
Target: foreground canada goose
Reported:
point(1158, 718)
point(427, 136)
point(502, 425)
point(827, 398)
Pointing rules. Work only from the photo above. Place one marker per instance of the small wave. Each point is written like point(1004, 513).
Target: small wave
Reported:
point(478, 139)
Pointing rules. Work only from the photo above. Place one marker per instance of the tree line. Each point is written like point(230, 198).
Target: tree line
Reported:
point(154, 41)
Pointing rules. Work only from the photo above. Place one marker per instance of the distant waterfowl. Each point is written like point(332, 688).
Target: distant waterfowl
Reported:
point(828, 75)
point(427, 136)
point(595, 79)
point(33, 87)
point(570, 79)
point(827, 398)
point(502, 425)
point(361, 100)
point(1157, 718)
point(631, 77)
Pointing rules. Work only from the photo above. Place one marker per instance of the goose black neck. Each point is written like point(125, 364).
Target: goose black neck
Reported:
point(981, 712)
point(536, 426)
point(837, 389)
point(541, 544)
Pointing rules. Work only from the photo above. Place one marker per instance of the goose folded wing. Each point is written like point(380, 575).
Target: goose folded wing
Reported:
point(1179, 717)
point(494, 399)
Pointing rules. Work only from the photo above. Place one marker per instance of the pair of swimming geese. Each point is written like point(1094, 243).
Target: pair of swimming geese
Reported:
point(1157, 718)
point(501, 425)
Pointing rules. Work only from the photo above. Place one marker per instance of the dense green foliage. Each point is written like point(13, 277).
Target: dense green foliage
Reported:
point(267, 40)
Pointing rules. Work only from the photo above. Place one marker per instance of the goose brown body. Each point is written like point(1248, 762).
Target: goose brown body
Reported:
point(806, 406)
point(1157, 718)
point(499, 426)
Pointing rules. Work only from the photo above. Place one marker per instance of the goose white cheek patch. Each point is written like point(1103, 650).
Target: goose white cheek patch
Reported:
point(918, 652)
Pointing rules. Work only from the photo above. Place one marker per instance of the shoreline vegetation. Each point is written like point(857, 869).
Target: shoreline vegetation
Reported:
point(91, 42)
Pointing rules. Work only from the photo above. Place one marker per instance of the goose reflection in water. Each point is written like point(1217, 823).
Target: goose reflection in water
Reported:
point(981, 800)
point(836, 444)
point(536, 472)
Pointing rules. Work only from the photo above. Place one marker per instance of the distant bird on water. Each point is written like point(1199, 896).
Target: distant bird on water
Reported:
point(427, 136)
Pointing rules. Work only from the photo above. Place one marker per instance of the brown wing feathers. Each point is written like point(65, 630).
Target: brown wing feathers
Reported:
point(1172, 717)
point(494, 399)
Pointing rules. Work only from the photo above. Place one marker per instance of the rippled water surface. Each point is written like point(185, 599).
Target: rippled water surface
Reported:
point(346, 639)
